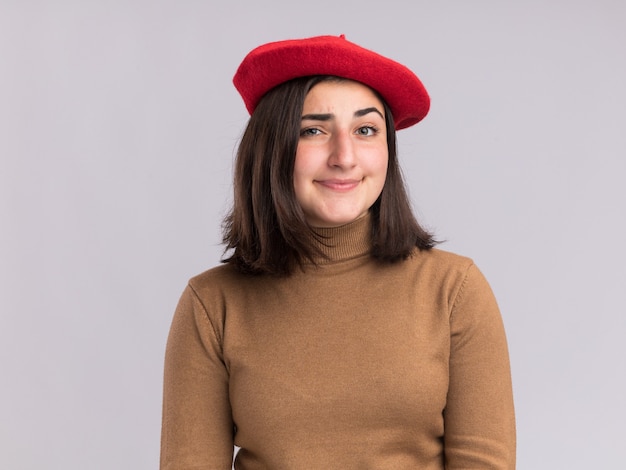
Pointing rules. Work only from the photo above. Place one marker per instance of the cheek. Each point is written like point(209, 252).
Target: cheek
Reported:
point(384, 165)
point(379, 175)
point(305, 164)
point(378, 165)
point(301, 175)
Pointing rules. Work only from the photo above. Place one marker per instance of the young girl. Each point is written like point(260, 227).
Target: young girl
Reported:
point(334, 336)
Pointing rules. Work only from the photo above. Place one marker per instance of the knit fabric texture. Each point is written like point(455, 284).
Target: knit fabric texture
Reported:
point(351, 364)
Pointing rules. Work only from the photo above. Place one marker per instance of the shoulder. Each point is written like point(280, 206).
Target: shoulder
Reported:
point(443, 257)
point(465, 280)
point(223, 273)
point(205, 295)
point(226, 281)
point(444, 271)
point(440, 262)
point(217, 280)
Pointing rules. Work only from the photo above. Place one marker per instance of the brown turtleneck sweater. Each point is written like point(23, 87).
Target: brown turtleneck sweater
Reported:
point(349, 365)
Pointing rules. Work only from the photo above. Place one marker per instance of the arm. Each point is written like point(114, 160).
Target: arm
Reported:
point(479, 416)
point(197, 428)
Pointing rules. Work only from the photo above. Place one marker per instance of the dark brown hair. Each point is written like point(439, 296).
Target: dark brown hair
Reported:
point(266, 228)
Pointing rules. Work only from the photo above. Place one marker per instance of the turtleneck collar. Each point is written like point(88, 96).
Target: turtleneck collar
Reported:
point(346, 241)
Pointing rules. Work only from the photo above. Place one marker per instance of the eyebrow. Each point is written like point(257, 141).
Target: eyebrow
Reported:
point(329, 116)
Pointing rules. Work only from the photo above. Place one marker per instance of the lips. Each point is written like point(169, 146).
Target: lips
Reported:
point(340, 185)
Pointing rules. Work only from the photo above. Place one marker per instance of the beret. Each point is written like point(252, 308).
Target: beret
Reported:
point(274, 63)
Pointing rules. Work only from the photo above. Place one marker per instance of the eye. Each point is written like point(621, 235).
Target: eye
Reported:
point(367, 130)
point(310, 131)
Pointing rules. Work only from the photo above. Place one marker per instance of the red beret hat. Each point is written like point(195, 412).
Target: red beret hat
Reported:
point(271, 64)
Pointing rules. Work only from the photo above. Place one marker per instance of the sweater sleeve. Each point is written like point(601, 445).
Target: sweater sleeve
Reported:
point(197, 428)
point(479, 415)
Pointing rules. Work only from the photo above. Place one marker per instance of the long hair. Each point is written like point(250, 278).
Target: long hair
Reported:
point(266, 228)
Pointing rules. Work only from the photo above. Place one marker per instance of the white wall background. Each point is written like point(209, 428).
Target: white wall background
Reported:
point(118, 123)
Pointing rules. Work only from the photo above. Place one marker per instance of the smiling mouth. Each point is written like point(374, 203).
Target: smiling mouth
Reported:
point(339, 185)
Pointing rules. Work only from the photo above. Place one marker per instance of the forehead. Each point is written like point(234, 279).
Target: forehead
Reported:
point(342, 93)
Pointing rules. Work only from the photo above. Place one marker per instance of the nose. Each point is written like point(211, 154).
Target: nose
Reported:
point(342, 151)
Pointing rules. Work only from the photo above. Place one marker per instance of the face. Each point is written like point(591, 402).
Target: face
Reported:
point(341, 159)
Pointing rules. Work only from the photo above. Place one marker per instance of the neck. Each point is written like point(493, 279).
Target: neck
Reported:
point(345, 241)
